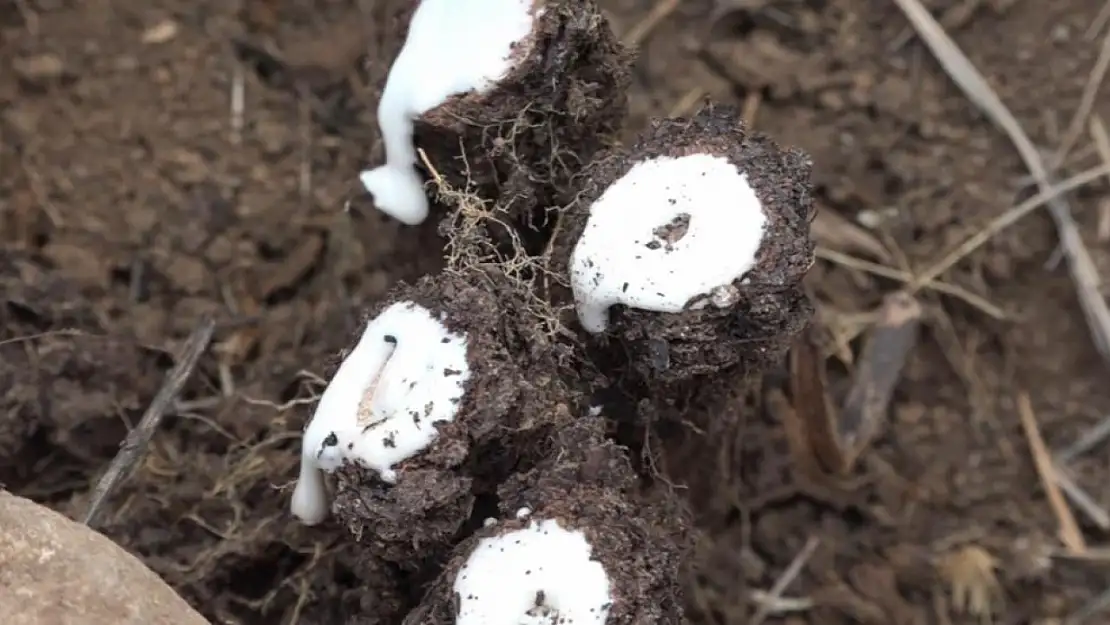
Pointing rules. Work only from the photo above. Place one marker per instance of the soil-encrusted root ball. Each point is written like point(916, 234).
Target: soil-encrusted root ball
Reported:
point(507, 98)
point(690, 248)
point(577, 544)
point(431, 408)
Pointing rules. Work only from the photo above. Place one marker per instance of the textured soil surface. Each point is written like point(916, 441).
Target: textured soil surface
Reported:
point(137, 195)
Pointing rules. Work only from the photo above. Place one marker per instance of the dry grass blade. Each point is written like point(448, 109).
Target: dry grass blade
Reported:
point(135, 445)
point(833, 230)
point(1101, 140)
point(781, 605)
point(1086, 102)
point(1088, 441)
point(1079, 497)
point(1069, 529)
point(976, 88)
point(1099, 22)
point(952, 290)
point(1003, 221)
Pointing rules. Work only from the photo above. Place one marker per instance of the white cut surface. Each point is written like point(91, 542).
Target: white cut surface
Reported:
point(407, 373)
point(453, 47)
point(537, 575)
point(624, 255)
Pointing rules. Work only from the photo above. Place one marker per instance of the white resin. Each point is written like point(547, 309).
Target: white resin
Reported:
point(453, 47)
point(382, 405)
point(614, 262)
point(504, 576)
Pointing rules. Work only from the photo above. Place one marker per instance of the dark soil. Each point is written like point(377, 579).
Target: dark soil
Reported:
point(132, 202)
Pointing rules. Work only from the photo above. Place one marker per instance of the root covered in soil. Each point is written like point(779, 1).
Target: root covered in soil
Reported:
point(427, 415)
point(577, 544)
point(40, 379)
point(506, 101)
point(686, 253)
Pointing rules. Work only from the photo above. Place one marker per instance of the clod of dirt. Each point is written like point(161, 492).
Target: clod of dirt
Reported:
point(578, 544)
point(690, 248)
point(427, 414)
point(59, 571)
point(17, 406)
point(71, 388)
point(37, 72)
point(380, 596)
point(507, 98)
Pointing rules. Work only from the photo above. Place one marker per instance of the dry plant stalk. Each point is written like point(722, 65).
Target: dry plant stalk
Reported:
point(1069, 529)
point(839, 437)
point(880, 367)
point(135, 445)
point(813, 411)
point(802, 455)
point(783, 582)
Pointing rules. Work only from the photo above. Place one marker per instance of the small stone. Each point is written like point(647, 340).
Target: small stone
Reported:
point(40, 67)
point(160, 33)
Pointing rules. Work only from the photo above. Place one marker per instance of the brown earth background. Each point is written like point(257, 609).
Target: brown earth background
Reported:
point(133, 201)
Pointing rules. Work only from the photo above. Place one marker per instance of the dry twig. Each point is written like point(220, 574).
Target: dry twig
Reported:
point(1003, 221)
point(688, 102)
point(1086, 103)
point(833, 230)
point(976, 88)
point(783, 582)
point(1069, 529)
point(1091, 438)
point(884, 355)
point(135, 445)
point(781, 605)
point(238, 99)
point(1079, 497)
point(959, 293)
point(1099, 22)
point(1101, 140)
point(638, 33)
